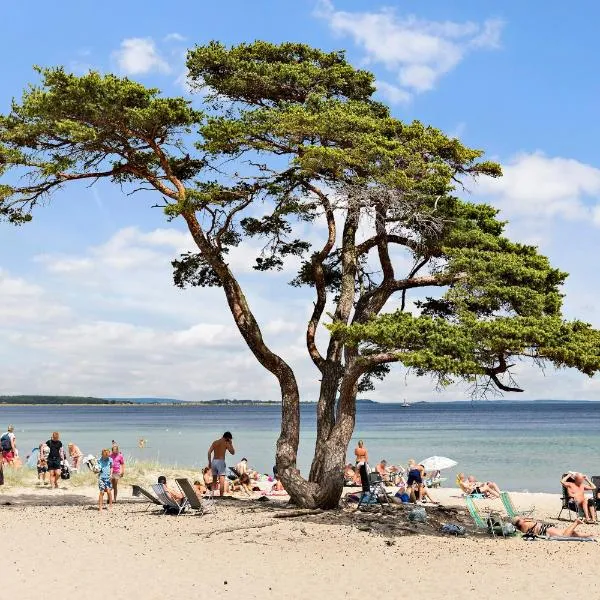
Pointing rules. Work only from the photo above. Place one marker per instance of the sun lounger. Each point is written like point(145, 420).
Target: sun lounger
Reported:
point(201, 505)
point(510, 507)
point(138, 491)
point(168, 502)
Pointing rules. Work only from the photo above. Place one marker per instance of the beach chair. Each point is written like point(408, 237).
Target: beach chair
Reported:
point(490, 522)
point(196, 503)
point(510, 507)
point(596, 482)
point(373, 490)
point(167, 502)
point(138, 491)
point(233, 474)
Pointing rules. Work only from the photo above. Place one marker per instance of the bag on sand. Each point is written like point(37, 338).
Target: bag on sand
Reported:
point(453, 529)
point(65, 471)
point(417, 515)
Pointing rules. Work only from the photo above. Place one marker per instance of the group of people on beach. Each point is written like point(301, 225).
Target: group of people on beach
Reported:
point(215, 477)
point(411, 482)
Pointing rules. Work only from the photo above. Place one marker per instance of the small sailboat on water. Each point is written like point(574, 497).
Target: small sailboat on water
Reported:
point(405, 404)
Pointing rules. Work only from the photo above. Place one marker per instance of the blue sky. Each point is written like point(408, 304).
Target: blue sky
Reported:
point(87, 306)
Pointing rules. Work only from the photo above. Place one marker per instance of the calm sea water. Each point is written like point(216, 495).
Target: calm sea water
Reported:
point(520, 445)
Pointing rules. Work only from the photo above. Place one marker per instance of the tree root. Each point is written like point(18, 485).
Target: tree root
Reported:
point(298, 513)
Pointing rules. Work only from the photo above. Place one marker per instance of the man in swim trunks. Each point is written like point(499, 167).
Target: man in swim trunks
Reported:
point(576, 485)
point(216, 459)
point(533, 527)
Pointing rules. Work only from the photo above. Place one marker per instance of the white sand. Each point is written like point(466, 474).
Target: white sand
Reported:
point(73, 551)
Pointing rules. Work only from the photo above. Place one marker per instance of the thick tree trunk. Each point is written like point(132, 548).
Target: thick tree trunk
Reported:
point(325, 415)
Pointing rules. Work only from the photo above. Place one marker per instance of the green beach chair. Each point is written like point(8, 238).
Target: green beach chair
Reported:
point(510, 507)
point(491, 523)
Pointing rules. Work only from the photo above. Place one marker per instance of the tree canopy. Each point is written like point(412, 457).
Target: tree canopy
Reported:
point(288, 135)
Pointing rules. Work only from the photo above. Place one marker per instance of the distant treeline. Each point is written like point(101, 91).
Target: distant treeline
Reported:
point(58, 400)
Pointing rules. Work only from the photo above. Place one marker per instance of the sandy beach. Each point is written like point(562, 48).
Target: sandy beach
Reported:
point(58, 542)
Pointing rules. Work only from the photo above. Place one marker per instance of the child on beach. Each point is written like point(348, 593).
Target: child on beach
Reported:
point(104, 484)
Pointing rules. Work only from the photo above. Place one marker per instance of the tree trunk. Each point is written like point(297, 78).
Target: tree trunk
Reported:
point(325, 415)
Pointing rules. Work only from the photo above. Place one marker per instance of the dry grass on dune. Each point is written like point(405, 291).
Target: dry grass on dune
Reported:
point(142, 472)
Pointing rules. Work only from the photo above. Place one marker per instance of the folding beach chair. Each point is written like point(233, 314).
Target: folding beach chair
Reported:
point(196, 503)
point(373, 489)
point(510, 507)
point(490, 522)
point(168, 502)
point(596, 482)
point(138, 491)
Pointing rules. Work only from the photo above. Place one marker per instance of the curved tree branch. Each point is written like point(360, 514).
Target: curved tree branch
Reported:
point(319, 278)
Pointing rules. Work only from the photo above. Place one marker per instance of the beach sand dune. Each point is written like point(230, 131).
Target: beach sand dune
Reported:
point(64, 546)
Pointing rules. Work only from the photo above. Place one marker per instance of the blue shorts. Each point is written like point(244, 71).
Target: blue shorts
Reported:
point(218, 467)
point(104, 485)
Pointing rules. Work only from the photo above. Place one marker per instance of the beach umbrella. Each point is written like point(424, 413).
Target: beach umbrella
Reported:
point(438, 463)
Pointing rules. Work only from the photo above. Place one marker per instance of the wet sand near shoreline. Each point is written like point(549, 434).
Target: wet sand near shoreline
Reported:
point(58, 540)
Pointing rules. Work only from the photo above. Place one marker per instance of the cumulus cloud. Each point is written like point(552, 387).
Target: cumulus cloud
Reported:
point(538, 186)
point(139, 56)
point(174, 37)
point(419, 52)
point(392, 93)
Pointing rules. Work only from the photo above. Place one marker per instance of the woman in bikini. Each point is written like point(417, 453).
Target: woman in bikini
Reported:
point(361, 454)
point(533, 527)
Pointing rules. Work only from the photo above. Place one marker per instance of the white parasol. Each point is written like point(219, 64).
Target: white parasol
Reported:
point(438, 463)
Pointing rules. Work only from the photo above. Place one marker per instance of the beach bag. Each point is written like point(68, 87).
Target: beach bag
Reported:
point(453, 529)
point(65, 472)
point(417, 515)
point(5, 442)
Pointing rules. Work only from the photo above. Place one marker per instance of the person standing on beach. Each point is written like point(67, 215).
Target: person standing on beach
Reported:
point(118, 469)
point(216, 459)
point(362, 464)
point(75, 454)
point(54, 458)
point(104, 484)
point(42, 462)
point(8, 441)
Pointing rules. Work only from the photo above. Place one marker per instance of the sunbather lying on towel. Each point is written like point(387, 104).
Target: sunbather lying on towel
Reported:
point(533, 527)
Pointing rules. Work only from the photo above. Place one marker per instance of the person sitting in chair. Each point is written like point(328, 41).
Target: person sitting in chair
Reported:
point(382, 469)
point(488, 488)
point(533, 527)
point(349, 475)
point(576, 485)
point(172, 493)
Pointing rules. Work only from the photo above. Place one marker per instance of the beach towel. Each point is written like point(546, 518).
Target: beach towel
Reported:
point(558, 538)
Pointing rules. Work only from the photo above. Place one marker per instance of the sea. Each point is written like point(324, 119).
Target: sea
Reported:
point(522, 446)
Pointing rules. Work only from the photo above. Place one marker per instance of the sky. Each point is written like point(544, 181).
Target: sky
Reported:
point(87, 305)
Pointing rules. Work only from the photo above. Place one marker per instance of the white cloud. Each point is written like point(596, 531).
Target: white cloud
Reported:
point(174, 37)
point(417, 51)
point(23, 301)
point(538, 186)
point(138, 56)
point(392, 93)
